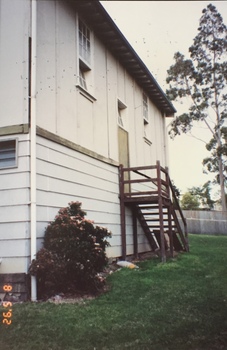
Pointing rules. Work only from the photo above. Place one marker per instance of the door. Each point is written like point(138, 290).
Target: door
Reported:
point(123, 149)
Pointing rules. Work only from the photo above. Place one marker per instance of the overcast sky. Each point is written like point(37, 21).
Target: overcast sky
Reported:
point(156, 30)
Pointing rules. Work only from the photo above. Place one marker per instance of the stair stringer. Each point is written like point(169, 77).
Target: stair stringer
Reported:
point(150, 224)
point(148, 233)
point(179, 229)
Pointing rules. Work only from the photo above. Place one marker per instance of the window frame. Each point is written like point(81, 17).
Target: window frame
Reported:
point(121, 114)
point(84, 58)
point(84, 77)
point(145, 109)
point(15, 165)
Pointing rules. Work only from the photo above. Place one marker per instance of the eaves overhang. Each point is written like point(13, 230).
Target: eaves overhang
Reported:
point(113, 39)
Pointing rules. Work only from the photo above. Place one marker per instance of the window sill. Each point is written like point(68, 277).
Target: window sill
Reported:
point(86, 94)
point(8, 167)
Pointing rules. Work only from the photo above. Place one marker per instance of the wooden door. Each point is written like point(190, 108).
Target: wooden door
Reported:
point(123, 149)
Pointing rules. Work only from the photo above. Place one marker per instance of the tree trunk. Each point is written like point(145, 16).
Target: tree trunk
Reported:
point(222, 184)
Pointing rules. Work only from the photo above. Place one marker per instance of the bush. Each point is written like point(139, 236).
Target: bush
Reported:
point(72, 256)
point(189, 202)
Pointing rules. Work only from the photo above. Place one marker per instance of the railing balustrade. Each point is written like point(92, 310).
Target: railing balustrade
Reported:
point(151, 183)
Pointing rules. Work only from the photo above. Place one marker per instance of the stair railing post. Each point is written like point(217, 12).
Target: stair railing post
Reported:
point(160, 205)
point(135, 234)
point(122, 211)
point(183, 235)
point(169, 213)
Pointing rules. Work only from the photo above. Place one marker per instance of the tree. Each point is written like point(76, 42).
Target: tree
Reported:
point(189, 201)
point(203, 195)
point(177, 194)
point(176, 191)
point(202, 79)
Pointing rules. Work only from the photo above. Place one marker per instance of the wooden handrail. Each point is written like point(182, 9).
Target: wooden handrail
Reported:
point(164, 190)
point(136, 170)
point(154, 180)
point(147, 167)
point(181, 213)
point(176, 202)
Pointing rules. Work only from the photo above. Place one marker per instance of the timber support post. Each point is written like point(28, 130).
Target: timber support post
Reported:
point(160, 205)
point(169, 210)
point(122, 211)
point(135, 235)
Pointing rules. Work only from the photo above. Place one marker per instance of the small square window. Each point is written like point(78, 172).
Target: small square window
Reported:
point(8, 154)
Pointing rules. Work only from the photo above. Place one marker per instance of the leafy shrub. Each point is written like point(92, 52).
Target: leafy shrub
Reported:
point(73, 254)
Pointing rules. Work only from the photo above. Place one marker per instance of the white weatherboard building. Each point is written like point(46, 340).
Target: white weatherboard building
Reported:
point(76, 101)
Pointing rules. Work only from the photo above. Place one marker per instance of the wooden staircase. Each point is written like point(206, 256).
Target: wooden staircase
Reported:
point(149, 193)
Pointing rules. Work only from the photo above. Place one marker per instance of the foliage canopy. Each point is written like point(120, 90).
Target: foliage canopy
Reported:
point(203, 195)
point(202, 80)
point(189, 201)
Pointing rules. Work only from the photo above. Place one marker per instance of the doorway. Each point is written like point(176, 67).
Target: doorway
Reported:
point(123, 149)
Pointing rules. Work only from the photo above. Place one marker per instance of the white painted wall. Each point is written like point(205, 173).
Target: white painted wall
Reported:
point(14, 36)
point(62, 109)
point(64, 174)
point(14, 212)
point(14, 182)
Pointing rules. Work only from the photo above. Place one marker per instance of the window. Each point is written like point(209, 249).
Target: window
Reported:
point(120, 117)
point(82, 79)
point(146, 125)
point(84, 43)
point(145, 109)
point(8, 154)
point(85, 75)
point(121, 114)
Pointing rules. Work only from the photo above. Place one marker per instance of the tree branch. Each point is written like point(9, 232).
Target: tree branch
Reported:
point(197, 138)
point(194, 102)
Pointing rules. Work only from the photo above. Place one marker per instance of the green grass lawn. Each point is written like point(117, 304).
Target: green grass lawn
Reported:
point(180, 305)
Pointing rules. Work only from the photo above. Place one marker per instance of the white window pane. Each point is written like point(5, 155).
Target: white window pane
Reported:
point(84, 42)
point(82, 80)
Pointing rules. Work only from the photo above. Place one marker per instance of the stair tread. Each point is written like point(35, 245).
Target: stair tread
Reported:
point(148, 215)
point(157, 219)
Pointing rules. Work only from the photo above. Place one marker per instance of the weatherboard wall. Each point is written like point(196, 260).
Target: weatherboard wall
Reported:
point(14, 38)
point(90, 120)
point(65, 175)
point(14, 212)
point(87, 172)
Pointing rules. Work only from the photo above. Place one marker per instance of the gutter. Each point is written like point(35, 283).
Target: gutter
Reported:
point(33, 143)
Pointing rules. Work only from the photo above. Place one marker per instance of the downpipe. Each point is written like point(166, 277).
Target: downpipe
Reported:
point(33, 143)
